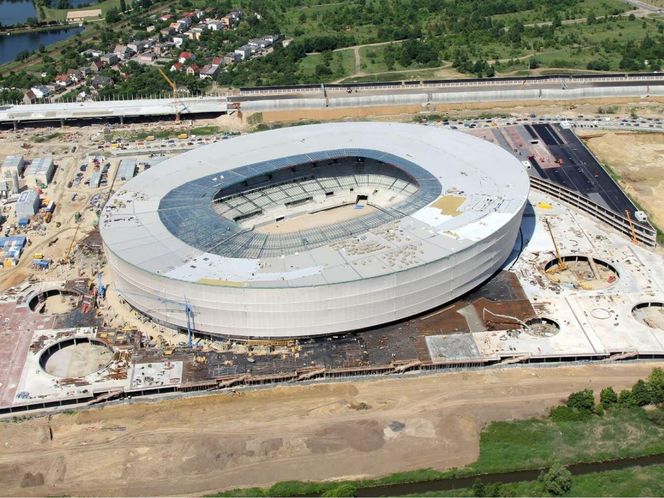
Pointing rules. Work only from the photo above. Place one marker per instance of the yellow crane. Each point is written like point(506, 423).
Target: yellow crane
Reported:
point(561, 264)
point(175, 95)
point(71, 245)
point(631, 225)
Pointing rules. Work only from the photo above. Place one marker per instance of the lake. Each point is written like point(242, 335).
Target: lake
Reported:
point(16, 12)
point(12, 45)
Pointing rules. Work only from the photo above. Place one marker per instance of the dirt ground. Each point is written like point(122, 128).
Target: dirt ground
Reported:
point(638, 158)
point(314, 432)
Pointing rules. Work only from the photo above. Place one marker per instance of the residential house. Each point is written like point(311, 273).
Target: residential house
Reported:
point(270, 39)
point(186, 56)
point(166, 17)
point(258, 44)
point(96, 66)
point(196, 32)
point(139, 46)
point(209, 71)
point(151, 29)
point(183, 24)
point(166, 33)
point(41, 91)
point(177, 67)
point(244, 52)
point(231, 58)
point(100, 82)
point(75, 75)
point(215, 25)
point(62, 80)
point(179, 40)
point(123, 51)
point(109, 59)
point(199, 14)
point(217, 61)
point(146, 58)
point(193, 69)
point(29, 97)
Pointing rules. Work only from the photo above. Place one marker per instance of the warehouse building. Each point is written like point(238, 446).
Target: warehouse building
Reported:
point(27, 204)
point(12, 168)
point(127, 169)
point(40, 172)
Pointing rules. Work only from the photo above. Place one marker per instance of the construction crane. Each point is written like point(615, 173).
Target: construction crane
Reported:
point(101, 288)
point(561, 264)
point(65, 259)
point(176, 103)
point(631, 226)
point(187, 311)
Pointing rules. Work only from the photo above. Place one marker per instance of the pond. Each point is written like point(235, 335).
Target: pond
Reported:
point(12, 45)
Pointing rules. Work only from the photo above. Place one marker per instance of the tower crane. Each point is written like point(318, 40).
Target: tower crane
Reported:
point(176, 103)
point(561, 263)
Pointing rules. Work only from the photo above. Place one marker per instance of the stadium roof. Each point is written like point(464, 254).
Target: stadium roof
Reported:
point(164, 220)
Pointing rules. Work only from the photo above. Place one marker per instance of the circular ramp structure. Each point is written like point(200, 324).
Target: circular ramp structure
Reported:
point(313, 230)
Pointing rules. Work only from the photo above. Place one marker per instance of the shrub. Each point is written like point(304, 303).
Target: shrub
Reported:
point(346, 489)
point(567, 414)
point(557, 480)
point(608, 397)
point(582, 400)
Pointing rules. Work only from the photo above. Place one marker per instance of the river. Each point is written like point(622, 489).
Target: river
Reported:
point(12, 45)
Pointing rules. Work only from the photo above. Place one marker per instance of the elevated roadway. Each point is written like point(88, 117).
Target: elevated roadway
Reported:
point(110, 109)
point(538, 88)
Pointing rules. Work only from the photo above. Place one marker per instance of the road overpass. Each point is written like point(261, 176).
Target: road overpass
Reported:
point(426, 92)
point(110, 109)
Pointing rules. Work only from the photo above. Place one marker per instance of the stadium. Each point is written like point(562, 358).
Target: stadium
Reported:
point(313, 230)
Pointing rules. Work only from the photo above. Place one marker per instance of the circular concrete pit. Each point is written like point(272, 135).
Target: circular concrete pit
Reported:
point(76, 357)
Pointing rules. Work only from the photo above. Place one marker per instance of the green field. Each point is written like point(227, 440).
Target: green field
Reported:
point(634, 481)
point(49, 14)
point(342, 63)
point(579, 11)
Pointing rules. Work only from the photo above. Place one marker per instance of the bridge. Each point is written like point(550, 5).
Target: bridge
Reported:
point(425, 92)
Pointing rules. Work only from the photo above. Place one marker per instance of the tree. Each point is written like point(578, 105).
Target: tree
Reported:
point(608, 397)
point(641, 394)
point(123, 6)
point(557, 480)
point(625, 398)
point(582, 400)
point(478, 488)
point(656, 384)
point(112, 16)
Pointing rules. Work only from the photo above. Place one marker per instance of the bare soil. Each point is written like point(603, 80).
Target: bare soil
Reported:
point(638, 159)
point(316, 432)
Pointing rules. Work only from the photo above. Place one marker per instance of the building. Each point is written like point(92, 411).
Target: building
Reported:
point(29, 97)
point(193, 69)
point(99, 82)
point(82, 15)
point(186, 56)
point(40, 172)
point(208, 71)
point(244, 52)
point(109, 59)
point(62, 80)
point(127, 169)
point(41, 91)
point(12, 168)
point(215, 25)
point(27, 205)
point(270, 241)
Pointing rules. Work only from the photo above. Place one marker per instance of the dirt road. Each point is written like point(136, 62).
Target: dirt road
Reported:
point(315, 432)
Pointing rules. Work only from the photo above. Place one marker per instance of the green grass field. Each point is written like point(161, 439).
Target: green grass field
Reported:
point(342, 65)
point(634, 481)
point(59, 15)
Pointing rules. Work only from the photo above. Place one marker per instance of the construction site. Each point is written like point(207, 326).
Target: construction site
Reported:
point(584, 282)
